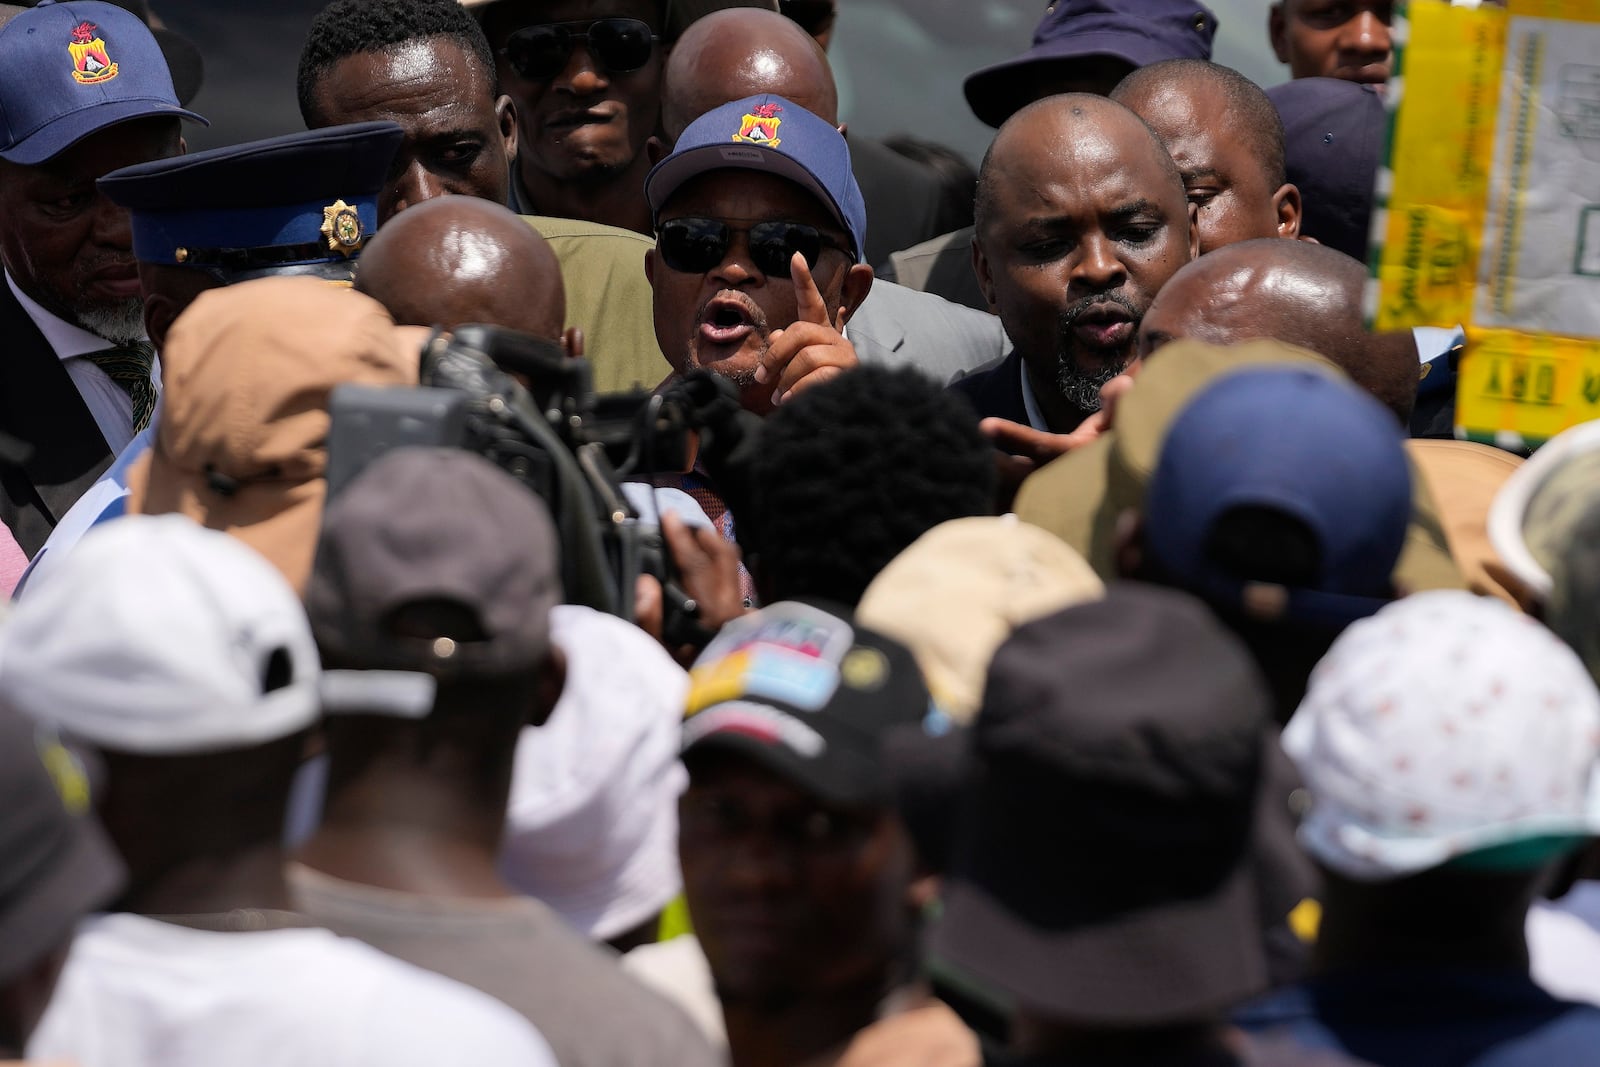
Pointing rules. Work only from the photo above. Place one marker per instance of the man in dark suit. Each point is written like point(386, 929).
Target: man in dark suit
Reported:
point(1070, 270)
point(84, 89)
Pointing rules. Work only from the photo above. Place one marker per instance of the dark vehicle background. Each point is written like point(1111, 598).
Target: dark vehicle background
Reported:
point(900, 63)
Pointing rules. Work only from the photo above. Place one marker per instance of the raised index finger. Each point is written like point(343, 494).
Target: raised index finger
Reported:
point(809, 305)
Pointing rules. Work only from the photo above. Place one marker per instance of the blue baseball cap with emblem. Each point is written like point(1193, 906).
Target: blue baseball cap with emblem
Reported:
point(69, 70)
point(303, 203)
point(774, 136)
point(1301, 443)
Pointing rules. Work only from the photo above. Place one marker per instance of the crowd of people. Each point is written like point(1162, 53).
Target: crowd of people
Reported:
point(577, 558)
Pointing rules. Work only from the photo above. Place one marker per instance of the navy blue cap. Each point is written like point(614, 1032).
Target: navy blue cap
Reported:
point(767, 133)
point(1333, 140)
point(1138, 32)
point(70, 70)
point(303, 200)
point(1296, 441)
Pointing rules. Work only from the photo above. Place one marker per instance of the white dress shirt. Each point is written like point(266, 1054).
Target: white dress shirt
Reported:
point(110, 406)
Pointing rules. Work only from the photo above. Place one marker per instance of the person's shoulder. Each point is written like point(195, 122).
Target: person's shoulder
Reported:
point(952, 243)
point(553, 228)
point(414, 1016)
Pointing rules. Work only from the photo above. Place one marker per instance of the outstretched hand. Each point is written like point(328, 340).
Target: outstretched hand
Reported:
point(810, 351)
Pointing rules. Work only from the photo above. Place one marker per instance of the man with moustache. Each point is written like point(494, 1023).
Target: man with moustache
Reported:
point(585, 76)
point(758, 258)
point(1081, 218)
point(83, 90)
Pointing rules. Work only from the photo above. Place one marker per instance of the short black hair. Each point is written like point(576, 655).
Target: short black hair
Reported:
point(1258, 118)
point(852, 471)
point(350, 27)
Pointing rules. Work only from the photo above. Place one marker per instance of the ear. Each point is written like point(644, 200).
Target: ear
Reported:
point(1286, 202)
point(980, 267)
point(505, 114)
point(655, 150)
point(572, 342)
point(552, 680)
point(1194, 230)
point(1127, 544)
point(1278, 32)
point(650, 265)
point(857, 284)
point(160, 311)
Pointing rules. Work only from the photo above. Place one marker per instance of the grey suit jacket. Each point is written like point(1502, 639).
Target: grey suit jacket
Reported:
point(897, 327)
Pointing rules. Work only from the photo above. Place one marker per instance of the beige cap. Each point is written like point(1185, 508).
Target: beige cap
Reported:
point(1464, 477)
point(1080, 496)
point(959, 591)
point(241, 445)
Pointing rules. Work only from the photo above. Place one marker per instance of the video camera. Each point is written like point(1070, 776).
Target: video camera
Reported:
point(518, 401)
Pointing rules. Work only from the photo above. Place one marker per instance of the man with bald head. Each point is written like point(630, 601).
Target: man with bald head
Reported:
point(1227, 140)
point(733, 54)
point(1081, 220)
point(739, 52)
point(461, 259)
point(1293, 291)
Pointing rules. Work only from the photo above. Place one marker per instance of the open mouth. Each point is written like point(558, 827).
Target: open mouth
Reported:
point(1106, 325)
point(728, 320)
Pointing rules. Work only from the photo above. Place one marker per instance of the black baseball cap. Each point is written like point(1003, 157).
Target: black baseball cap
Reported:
point(59, 865)
point(807, 693)
point(1121, 849)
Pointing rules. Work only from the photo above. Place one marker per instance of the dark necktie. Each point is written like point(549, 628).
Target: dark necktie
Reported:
point(129, 367)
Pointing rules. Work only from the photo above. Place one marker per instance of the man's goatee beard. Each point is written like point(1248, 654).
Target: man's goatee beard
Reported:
point(1081, 389)
point(118, 321)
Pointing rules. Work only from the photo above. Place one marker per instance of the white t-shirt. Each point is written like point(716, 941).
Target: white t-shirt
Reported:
point(138, 992)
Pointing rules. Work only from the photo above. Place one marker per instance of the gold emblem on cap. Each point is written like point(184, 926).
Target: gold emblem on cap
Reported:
point(342, 227)
point(181, 255)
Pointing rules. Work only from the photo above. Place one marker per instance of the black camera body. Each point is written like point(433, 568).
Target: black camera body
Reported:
point(521, 403)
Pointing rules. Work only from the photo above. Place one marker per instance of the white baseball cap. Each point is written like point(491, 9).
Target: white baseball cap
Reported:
point(1534, 513)
point(1445, 725)
point(158, 636)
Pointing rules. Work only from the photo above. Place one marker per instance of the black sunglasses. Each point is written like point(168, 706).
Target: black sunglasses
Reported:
point(619, 46)
point(697, 245)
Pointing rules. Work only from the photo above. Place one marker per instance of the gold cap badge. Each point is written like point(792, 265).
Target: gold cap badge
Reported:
point(342, 227)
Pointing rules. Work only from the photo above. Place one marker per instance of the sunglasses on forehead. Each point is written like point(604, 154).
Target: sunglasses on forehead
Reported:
point(618, 46)
point(697, 245)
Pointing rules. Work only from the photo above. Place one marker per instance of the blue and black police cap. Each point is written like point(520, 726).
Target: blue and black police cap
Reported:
point(303, 203)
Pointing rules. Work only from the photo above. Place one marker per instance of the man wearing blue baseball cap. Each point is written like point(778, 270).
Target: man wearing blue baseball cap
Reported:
point(83, 90)
point(760, 234)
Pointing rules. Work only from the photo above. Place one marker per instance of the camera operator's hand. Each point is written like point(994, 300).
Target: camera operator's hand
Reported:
point(813, 349)
point(708, 571)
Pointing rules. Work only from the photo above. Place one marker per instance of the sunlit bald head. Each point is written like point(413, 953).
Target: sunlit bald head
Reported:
point(461, 259)
point(740, 52)
point(1292, 291)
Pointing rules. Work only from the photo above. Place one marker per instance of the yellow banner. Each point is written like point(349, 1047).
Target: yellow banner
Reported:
point(1493, 208)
